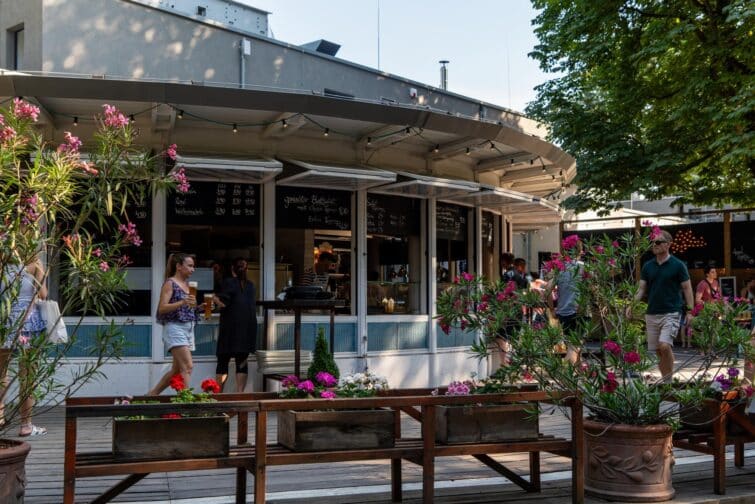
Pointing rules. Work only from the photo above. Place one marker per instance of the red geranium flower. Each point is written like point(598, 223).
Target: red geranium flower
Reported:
point(210, 385)
point(177, 383)
point(170, 415)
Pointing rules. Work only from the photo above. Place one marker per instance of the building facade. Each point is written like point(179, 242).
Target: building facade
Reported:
point(291, 152)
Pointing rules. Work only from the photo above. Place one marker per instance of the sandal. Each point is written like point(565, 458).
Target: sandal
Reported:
point(35, 431)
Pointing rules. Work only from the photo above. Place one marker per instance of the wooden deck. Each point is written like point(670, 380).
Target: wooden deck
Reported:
point(458, 479)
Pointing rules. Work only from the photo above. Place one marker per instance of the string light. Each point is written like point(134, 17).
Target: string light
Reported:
point(235, 128)
point(284, 124)
point(685, 239)
point(407, 130)
point(132, 118)
point(468, 151)
point(437, 147)
point(180, 114)
point(369, 140)
point(492, 146)
point(75, 120)
point(326, 132)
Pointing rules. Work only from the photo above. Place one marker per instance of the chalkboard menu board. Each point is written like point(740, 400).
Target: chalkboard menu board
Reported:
point(392, 215)
point(488, 228)
point(451, 222)
point(215, 203)
point(298, 207)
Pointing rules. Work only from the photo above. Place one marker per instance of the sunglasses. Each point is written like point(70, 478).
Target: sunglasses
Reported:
point(659, 242)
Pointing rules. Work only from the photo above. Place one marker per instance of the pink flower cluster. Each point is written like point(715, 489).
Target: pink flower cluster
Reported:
point(171, 151)
point(308, 387)
point(570, 242)
point(88, 168)
point(7, 134)
point(113, 117)
point(611, 384)
point(180, 177)
point(25, 110)
point(467, 277)
point(612, 347)
point(326, 379)
point(71, 144)
point(131, 235)
point(459, 388)
point(508, 292)
point(29, 210)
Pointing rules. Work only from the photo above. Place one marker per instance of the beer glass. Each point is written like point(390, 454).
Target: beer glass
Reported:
point(208, 305)
point(193, 291)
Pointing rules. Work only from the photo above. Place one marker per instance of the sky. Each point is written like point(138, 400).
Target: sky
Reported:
point(486, 41)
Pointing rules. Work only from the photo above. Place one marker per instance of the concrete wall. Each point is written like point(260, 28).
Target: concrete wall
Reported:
point(28, 13)
point(121, 38)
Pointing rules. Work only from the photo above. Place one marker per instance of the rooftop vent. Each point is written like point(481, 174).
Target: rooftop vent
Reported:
point(323, 46)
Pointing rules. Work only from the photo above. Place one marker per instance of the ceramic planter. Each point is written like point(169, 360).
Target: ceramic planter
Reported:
point(13, 470)
point(166, 438)
point(630, 463)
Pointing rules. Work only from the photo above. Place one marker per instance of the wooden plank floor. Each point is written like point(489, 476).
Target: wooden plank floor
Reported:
point(458, 479)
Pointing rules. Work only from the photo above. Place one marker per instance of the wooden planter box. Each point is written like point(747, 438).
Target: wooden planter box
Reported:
point(166, 438)
point(487, 423)
point(701, 419)
point(336, 429)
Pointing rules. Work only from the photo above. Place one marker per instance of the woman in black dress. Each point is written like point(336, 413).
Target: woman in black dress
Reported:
point(238, 325)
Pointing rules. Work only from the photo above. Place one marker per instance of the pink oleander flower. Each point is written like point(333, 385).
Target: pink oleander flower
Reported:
point(23, 340)
point(88, 168)
point(6, 134)
point(647, 223)
point(527, 376)
point(482, 306)
point(615, 244)
point(97, 252)
point(183, 182)
point(570, 242)
point(456, 280)
point(124, 261)
point(71, 144)
point(612, 346)
point(463, 325)
point(655, 232)
point(611, 384)
point(2, 120)
point(599, 249)
point(327, 394)
point(612, 262)
point(306, 386)
point(458, 388)
point(131, 235)
point(25, 110)
point(113, 117)
point(290, 381)
point(697, 309)
point(171, 151)
point(468, 277)
point(326, 379)
point(748, 390)
point(104, 266)
point(632, 358)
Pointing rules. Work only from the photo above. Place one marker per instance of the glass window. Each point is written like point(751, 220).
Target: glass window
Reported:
point(453, 245)
point(18, 50)
point(489, 256)
point(313, 240)
point(394, 255)
point(217, 222)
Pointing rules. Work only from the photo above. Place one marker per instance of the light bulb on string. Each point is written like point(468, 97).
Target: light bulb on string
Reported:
point(75, 121)
point(180, 114)
point(326, 132)
point(235, 128)
point(284, 124)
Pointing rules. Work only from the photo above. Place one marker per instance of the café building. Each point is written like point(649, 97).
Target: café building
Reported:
point(306, 165)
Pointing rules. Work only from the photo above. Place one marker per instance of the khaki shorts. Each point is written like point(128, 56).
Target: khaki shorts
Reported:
point(662, 328)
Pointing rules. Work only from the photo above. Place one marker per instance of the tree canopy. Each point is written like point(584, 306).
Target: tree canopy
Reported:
point(650, 97)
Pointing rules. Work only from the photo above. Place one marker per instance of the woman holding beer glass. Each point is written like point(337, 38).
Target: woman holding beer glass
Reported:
point(178, 311)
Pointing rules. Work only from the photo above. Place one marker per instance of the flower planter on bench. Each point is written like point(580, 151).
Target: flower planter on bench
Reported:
point(486, 423)
point(336, 429)
point(701, 419)
point(166, 438)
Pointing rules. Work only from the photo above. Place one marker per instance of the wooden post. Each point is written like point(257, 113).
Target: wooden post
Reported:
point(428, 454)
point(578, 453)
point(396, 489)
point(719, 449)
point(260, 457)
point(727, 244)
point(69, 469)
point(333, 331)
point(297, 342)
point(535, 471)
point(242, 427)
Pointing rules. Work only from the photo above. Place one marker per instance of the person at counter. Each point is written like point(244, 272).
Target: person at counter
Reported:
point(321, 272)
point(237, 334)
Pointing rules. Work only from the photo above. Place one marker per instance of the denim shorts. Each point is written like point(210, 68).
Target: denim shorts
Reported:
point(177, 334)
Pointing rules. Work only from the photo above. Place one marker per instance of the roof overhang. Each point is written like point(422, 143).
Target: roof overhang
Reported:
point(520, 207)
point(211, 169)
point(423, 186)
point(343, 178)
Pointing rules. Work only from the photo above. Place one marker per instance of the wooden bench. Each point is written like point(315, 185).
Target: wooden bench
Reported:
point(243, 456)
point(82, 465)
point(276, 364)
point(714, 439)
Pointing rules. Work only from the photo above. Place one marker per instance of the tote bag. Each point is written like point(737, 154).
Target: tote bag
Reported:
point(56, 328)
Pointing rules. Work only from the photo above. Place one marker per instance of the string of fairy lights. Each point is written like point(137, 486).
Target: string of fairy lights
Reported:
point(402, 134)
point(685, 239)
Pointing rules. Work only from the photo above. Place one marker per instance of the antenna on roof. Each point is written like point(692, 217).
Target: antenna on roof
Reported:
point(443, 74)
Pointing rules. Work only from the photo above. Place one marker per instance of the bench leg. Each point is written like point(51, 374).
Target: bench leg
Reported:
point(260, 456)
point(396, 480)
point(719, 454)
point(535, 471)
point(739, 454)
point(69, 465)
point(428, 454)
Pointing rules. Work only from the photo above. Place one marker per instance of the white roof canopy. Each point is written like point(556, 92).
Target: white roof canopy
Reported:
point(209, 169)
point(343, 178)
point(423, 186)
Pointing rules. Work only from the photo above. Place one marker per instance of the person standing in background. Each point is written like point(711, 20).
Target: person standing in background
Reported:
point(706, 291)
point(237, 334)
point(507, 266)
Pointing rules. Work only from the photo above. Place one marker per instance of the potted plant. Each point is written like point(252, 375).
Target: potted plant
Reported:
point(173, 434)
point(630, 419)
point(335, 429)
point(487, 423)
point(74, 214)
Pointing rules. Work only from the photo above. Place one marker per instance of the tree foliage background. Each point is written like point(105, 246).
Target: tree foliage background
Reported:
point(650, 96)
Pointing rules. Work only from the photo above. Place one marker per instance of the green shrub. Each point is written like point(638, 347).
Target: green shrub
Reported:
point(322, 360)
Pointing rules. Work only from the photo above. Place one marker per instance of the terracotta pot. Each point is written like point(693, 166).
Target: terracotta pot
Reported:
point(13, 470)
point(630, 463)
